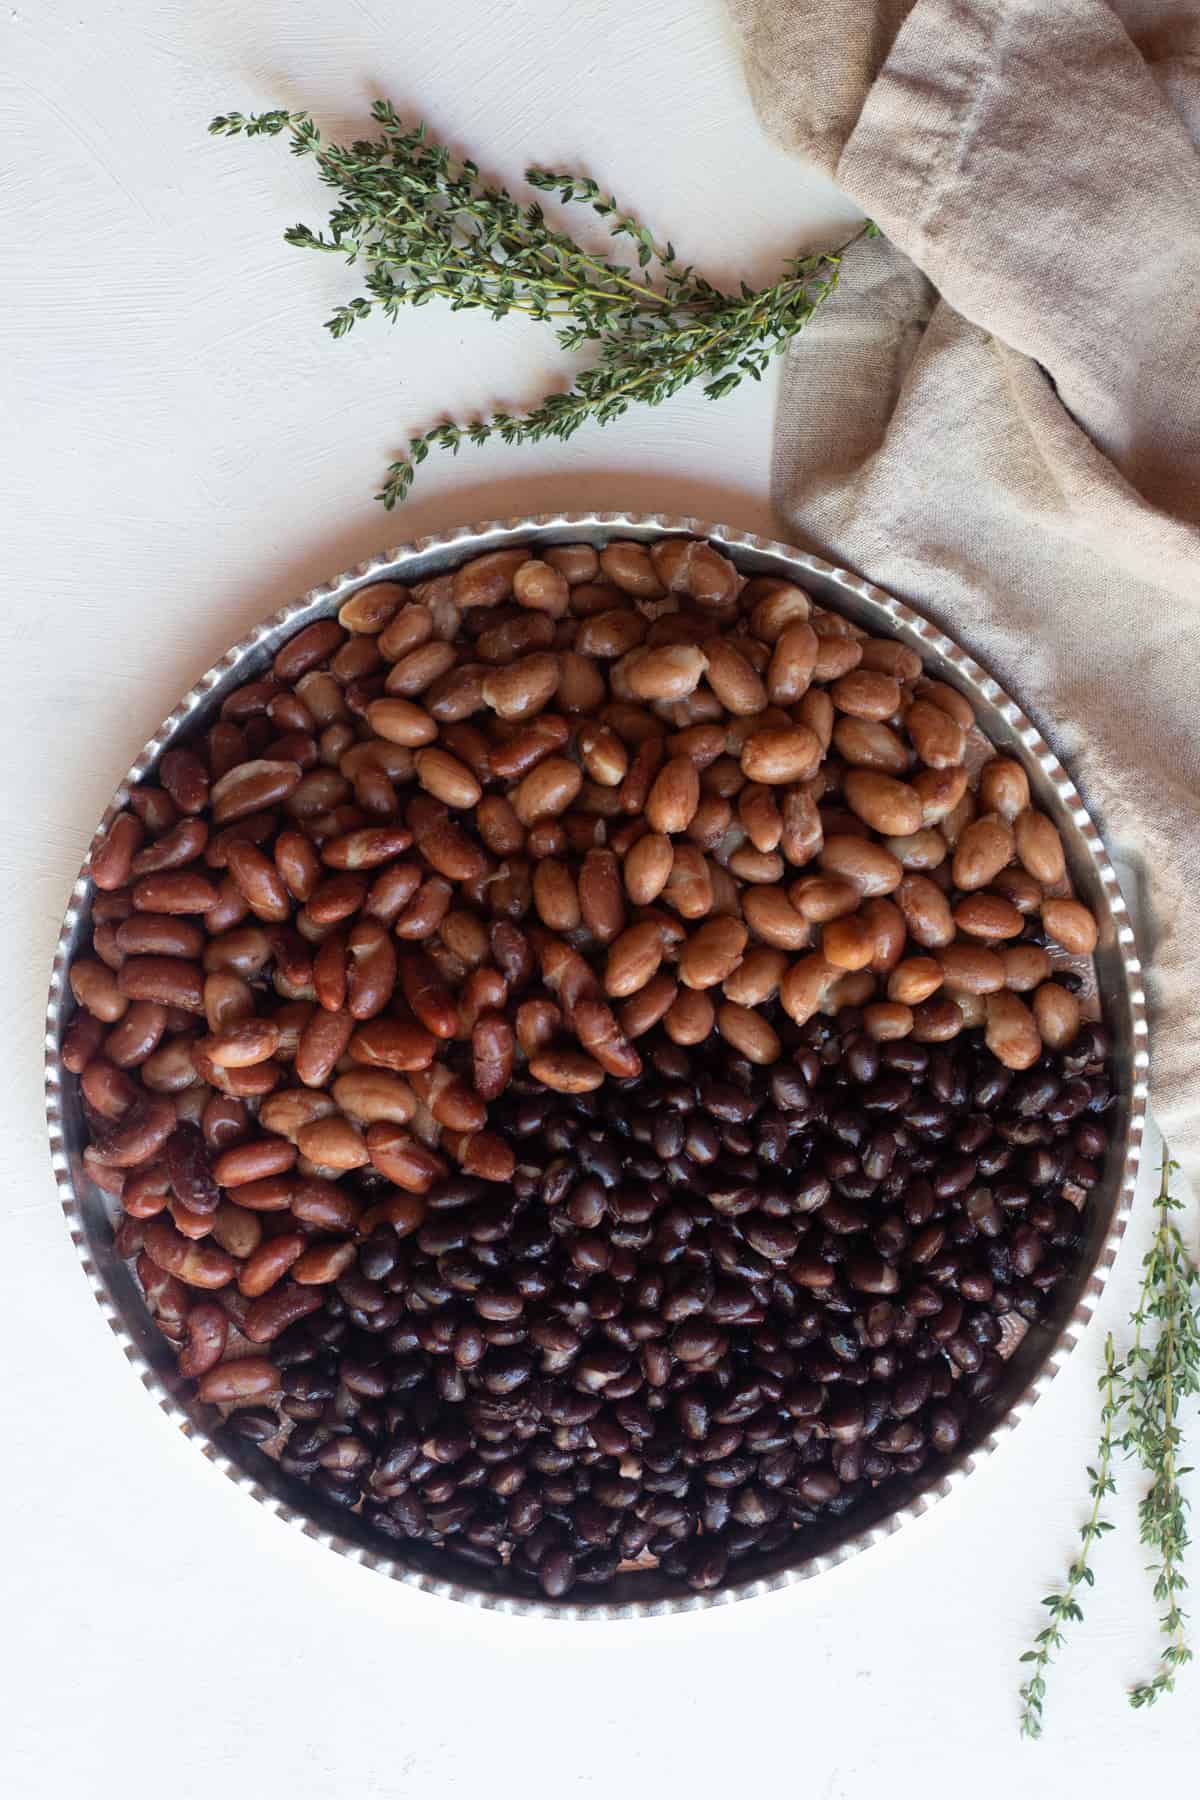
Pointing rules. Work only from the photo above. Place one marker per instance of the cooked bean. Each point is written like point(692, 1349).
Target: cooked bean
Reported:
point(169, 980)
point(628, 566)
point(1039, 847)
point(915, 979)
point(674, 796)
point(870, 744)
point(671, 673)
point(781, 755)
point(937, 739)
point(983, 849)
point(890, 807)
point(988, 916)
point(523, 688)
point(805, 986)
point(887, 1020)
point(1057, 1013)
point(771, 916)
point(96, 988)
point(872, 869)
point(547, 791)
point(1026, 966)
point(542, 586)
point(254, 1161)
point(733, 679)
point(1012, 1034)
point(566, 1071)
point(971, 968)
point(1003, 788)
point(174, 891)
point(941, 791)
point(712, 953)
point(246, 1378)
point(848, 943)
point(1071, 925)
point(866, 693)
point(112, 859)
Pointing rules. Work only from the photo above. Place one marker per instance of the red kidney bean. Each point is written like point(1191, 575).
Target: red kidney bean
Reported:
point(251, 786)
point(155, 808)
point(323, 1042)
point(172, 850)
point(138, 1134)
point(370, 968)
point(282, 1307)
point(167, 980)
point(245, 1378)
point(199, 1265)
point(270, 1263)
point(253, 1161)
point(174, 891)
point(255, 828)
point(160, 934)
point(259, 882)
point(189, 1169)
point(137, 1035)
point(81, 1041)
point(492, 1052)
point(112, 860)
point(167, 1300)
point(186, 780)
point(146, 1191)
point(207, 1330)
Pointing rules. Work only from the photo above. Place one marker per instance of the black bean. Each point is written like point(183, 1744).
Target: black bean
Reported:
point(257, 1424)
point(715, 1303)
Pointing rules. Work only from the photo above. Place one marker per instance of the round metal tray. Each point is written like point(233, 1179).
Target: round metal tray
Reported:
point(1036, 1359)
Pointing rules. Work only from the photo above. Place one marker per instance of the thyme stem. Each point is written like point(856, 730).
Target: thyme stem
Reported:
point(1139, 1415)
point(427, 227)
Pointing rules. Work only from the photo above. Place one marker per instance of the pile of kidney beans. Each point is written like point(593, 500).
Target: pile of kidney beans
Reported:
point(718, 1302)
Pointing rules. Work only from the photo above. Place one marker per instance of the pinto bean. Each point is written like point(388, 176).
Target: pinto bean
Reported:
point(890, 807)
point(1057, 1014)
point(1012, 1035)
point(1071, 925)
point(984, 848)
point(772, 918)
point(866, 693)
point(1039, 847)
point(781, 755)
point(712, 953)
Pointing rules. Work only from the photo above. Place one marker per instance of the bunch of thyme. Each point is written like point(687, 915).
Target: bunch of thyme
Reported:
point(425, 226)
point(1141, 1399)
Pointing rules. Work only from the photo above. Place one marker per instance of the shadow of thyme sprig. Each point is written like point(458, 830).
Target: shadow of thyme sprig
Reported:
point(428, 227)
point(1139, 1416)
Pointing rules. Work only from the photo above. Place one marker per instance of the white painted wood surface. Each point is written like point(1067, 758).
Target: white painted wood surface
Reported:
point(183, 449)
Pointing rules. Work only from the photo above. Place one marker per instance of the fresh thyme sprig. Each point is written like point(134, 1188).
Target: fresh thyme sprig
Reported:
point(1139, 1415)
point(1063, 1606)
point(1156, 1379)
point(427, 227)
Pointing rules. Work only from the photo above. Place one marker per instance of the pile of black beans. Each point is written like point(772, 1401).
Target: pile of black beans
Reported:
point(717, 1303)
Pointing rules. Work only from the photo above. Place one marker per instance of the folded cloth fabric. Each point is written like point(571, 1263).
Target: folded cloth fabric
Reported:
point(998, 416)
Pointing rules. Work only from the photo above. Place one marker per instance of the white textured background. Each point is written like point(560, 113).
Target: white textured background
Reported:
point(183, 449)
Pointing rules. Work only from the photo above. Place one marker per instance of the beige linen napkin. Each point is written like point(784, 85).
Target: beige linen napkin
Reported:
point(998, 416)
